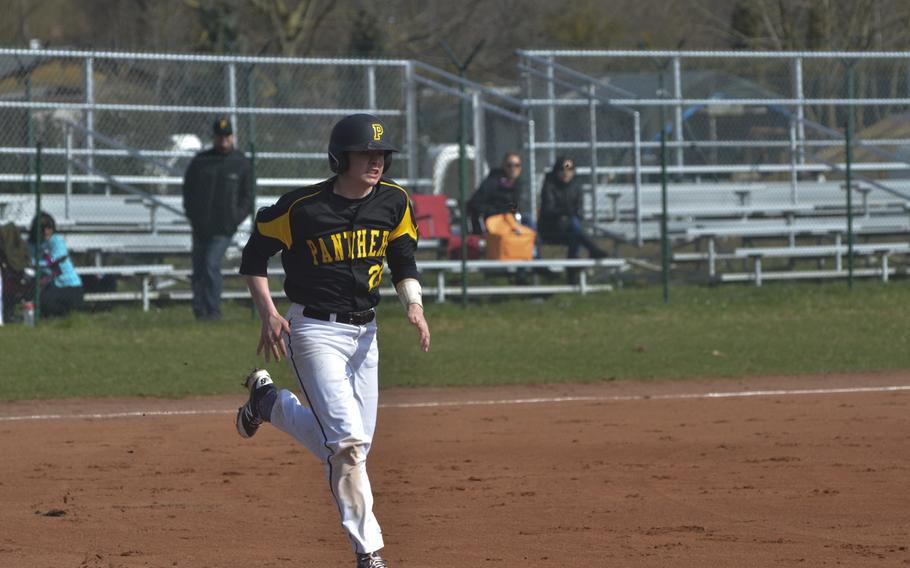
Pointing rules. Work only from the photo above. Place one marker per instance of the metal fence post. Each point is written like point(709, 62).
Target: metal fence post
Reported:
point(38, 236)
point(68, 179)
point(551, 112)
point(371, 87)
point(440, 286)
point(251, 103)
point(592, 118)
point(463, 194)
point(89, 80)
point(411, 121)
point(253, 184)
point(637, 179)
point(664, 237)
point(794, 175)
point(30, 130)
point(528, 86)
point(800, 108)
point(232, 97)
point(532, 171)
point(477, 124)
point(678, 118)
point(848, 139)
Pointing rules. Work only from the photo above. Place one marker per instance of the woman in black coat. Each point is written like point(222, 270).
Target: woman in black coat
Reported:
point(560, 211)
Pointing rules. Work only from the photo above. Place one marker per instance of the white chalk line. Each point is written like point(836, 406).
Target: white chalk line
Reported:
point(441, 404)
point(625, 398)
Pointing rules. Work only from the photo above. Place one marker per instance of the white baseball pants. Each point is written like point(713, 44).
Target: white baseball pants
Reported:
point(336, 366)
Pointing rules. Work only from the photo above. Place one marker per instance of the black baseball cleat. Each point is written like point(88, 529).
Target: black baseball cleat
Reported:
point(248, 418)
point(371, 560)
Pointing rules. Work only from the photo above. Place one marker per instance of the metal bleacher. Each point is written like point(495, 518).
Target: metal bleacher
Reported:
point(706, 205)
point(728, 223)
point(128, 237)
point(105, 225)
point(775, 192)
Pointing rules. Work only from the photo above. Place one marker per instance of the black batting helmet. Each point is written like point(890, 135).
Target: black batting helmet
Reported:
point(358, 133)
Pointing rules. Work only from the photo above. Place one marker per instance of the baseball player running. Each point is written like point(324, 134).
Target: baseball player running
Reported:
point(333, 238)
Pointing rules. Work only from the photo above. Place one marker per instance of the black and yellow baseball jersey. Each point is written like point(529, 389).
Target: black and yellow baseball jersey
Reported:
point(332, 248)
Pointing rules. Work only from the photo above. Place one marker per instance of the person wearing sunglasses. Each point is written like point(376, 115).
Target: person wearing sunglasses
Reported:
point(499, 193)
point(560, 211)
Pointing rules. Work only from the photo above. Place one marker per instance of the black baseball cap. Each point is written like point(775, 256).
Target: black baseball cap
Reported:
point(222, 126)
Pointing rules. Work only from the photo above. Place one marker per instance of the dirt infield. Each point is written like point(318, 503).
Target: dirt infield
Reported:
point(614, 474)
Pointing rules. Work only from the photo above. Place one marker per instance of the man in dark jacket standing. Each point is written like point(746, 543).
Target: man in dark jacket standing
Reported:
point(216, 198)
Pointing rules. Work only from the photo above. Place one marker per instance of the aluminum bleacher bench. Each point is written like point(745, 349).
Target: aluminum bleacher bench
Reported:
point(882, 250)
point(746, 230)
point(440, 267)
point(729, 211)
point(143, 271)
point(100, 245)
point(836, 229)
point(12, 204)
point(443, 267)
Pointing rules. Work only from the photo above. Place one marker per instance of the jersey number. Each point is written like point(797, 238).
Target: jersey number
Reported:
point(375, 273)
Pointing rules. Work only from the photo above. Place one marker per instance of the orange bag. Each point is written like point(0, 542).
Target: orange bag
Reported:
point(507, 239)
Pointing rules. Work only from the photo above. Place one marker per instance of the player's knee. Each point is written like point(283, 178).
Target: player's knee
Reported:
point(351, 452)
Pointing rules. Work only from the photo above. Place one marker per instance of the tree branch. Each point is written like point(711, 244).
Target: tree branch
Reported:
point(769, 25)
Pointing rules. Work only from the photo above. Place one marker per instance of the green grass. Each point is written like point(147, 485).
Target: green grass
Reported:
point(705, 332)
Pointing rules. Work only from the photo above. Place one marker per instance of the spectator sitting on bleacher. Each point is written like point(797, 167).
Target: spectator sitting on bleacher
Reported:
point(216, 198)
point(560, 211)
point(498, 193)
point(496, 202)
point(61, 287)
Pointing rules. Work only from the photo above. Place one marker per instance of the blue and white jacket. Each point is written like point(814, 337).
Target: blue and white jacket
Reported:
point(63, 272)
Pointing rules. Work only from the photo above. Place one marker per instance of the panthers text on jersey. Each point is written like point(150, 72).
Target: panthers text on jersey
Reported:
point(332, 248)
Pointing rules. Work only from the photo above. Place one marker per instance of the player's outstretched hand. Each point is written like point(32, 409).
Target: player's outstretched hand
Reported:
point(271, 338)
point(417, 319)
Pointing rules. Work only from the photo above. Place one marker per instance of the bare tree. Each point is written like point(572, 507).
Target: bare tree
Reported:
point(15, 27)
point(813, 24)
point(295, 25)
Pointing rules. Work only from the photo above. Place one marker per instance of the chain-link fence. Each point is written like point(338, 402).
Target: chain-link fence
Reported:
point(754, 141)
point(109, 119)
point(163, 106)
point(755, 147)
point(117, 131)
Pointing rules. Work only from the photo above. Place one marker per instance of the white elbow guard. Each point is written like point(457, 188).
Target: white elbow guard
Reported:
point(410, 292)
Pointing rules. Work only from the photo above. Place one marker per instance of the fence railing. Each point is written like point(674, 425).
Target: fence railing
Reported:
point(164, 104)
point(759, 143)
point(770, 118)
point(593, 93)
point(719, 82)
point(161, 106)
point(773, 120)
